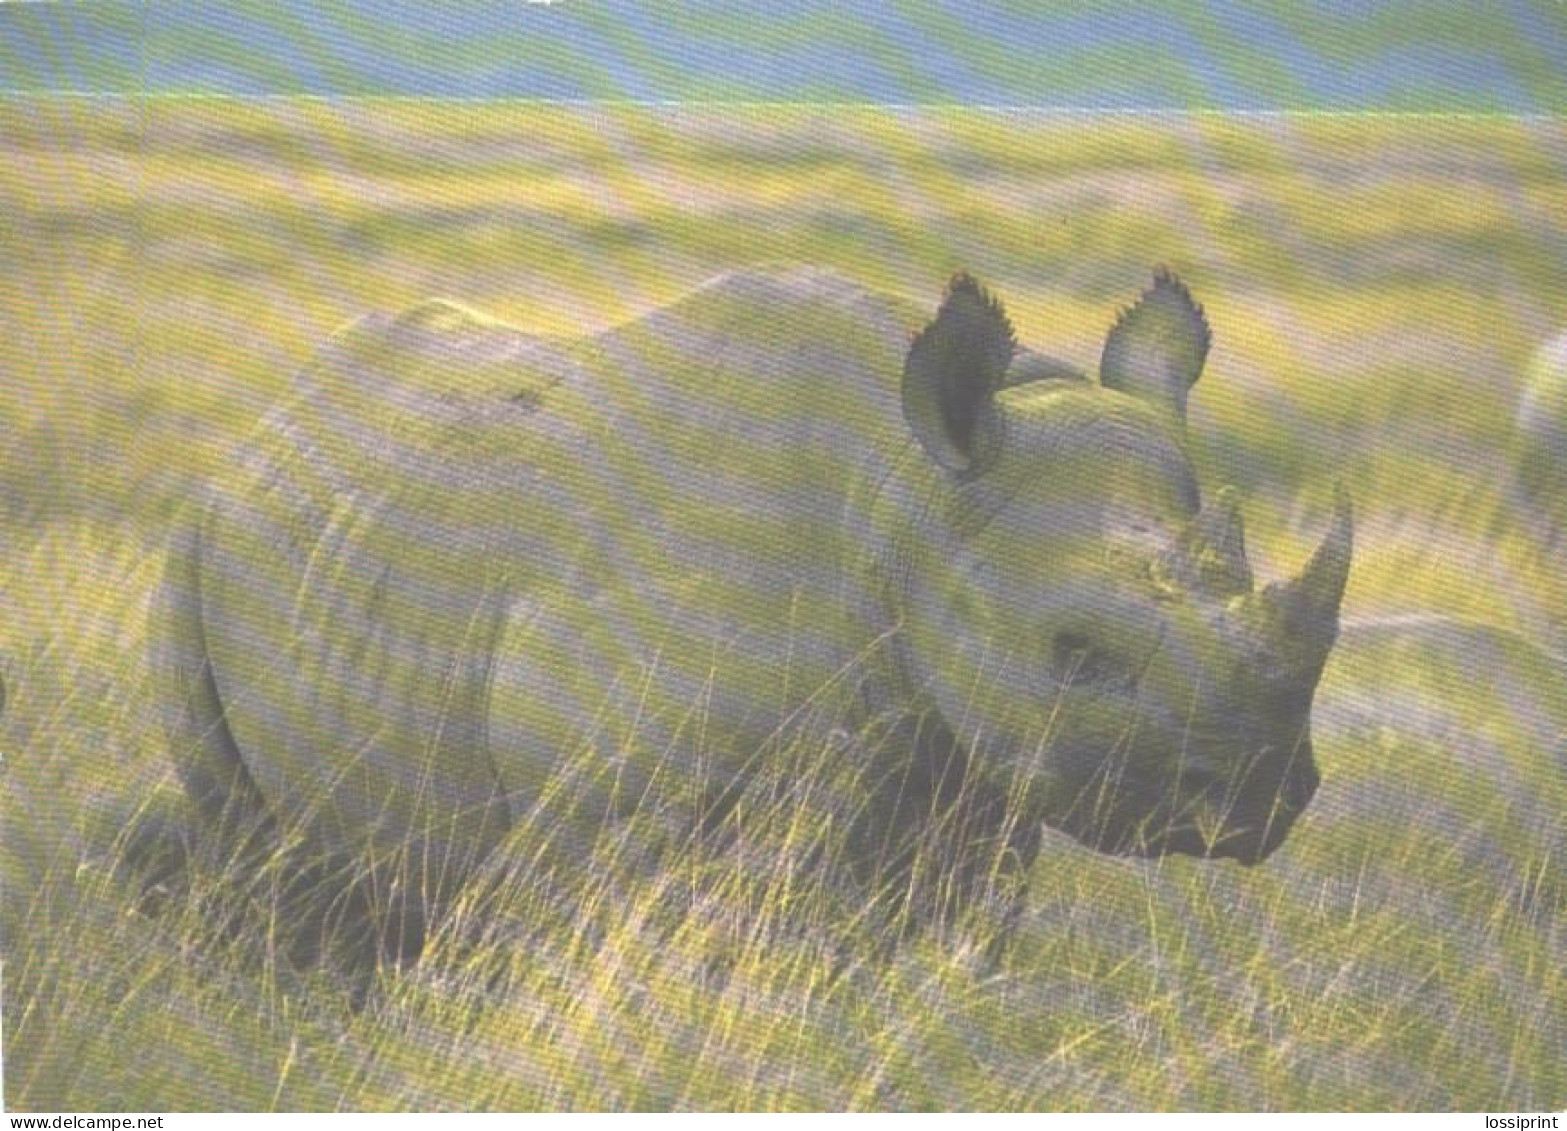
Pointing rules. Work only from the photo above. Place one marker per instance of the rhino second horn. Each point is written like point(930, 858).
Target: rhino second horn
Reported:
point(1309, 604)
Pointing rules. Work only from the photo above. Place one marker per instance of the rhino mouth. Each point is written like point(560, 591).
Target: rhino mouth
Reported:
point(1209, 820)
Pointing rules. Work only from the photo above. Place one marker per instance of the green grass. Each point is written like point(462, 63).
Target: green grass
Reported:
point(1375, 288)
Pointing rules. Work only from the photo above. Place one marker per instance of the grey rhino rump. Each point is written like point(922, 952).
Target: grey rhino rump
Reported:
point(1540, 449)
point(1453, 726)
point(350, 566)
point(1488, 694)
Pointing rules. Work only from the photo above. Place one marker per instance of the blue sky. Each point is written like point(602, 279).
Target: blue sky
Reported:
point(1505, 56)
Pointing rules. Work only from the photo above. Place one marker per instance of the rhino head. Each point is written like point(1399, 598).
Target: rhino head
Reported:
point(1074, 613)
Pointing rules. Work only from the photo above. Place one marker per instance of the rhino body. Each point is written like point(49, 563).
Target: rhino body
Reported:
point(463, 577)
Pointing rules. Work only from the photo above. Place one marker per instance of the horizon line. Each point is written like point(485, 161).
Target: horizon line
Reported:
point(784, 103)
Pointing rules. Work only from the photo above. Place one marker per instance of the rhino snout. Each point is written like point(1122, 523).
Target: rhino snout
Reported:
point(1247, 827)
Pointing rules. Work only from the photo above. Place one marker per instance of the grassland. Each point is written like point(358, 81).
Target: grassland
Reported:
point(1376, 286)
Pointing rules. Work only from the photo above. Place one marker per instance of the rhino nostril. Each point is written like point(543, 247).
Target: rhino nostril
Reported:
point(1078, 662)
point(1069, 649)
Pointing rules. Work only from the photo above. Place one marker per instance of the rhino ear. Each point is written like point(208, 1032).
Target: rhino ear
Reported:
point(1156, 349)
point(951, 375)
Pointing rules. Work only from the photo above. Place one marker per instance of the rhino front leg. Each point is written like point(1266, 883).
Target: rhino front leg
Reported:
point(936, 841)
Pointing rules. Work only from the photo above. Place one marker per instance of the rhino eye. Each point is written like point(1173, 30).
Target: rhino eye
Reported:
point(1079, 662)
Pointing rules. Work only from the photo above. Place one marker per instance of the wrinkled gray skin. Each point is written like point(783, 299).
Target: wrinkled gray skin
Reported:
point(465, 580)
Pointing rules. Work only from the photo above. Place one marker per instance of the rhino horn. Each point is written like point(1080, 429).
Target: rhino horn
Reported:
point(1218, 545)
point(1308, 605)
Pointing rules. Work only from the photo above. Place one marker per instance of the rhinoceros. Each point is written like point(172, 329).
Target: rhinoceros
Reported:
point(1542, 439)
point(1475, 714)
point(1450, 682)
point(462, 575)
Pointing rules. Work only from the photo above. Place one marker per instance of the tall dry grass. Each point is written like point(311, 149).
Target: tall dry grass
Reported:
point(1375, 288)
